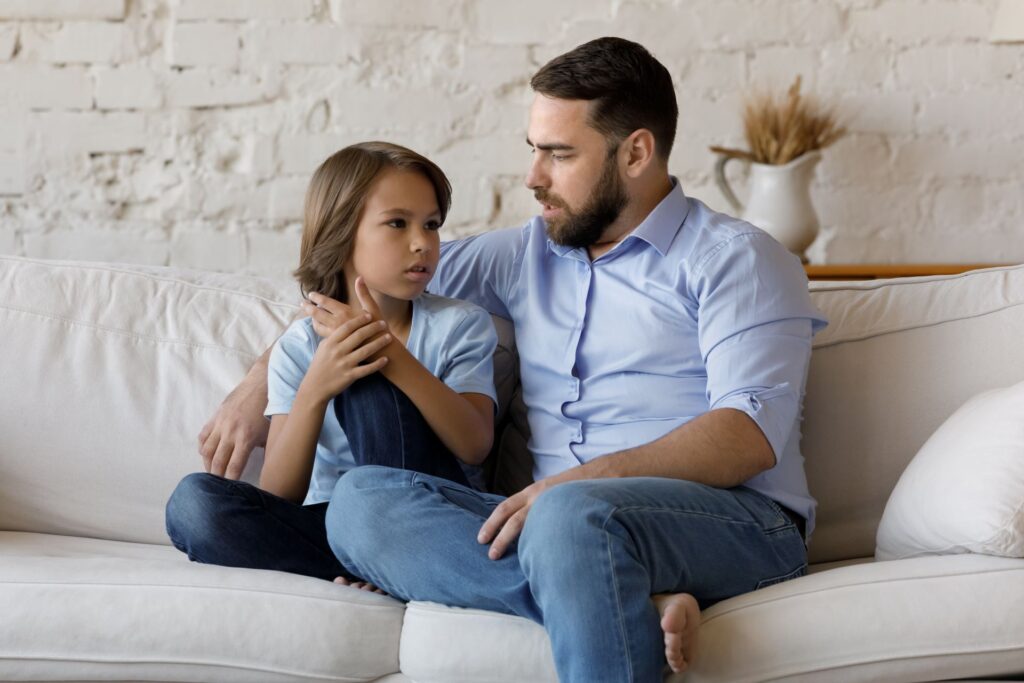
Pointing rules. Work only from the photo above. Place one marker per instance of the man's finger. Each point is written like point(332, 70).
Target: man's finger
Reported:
point(236, 464)
point(220, 458)
point(204, 433)
point(501, 514)
point(508, 534)
point(208, 449)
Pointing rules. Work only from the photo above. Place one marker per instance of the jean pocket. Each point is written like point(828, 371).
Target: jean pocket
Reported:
point(765, 511)
point(796, 573)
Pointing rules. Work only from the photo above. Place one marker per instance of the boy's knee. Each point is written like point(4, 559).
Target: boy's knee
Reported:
point(191, 506)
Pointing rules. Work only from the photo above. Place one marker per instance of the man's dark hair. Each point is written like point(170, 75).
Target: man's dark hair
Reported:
point(628, 89)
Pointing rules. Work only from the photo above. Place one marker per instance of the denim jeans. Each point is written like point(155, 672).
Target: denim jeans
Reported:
point(585, 565)
point(218, 521)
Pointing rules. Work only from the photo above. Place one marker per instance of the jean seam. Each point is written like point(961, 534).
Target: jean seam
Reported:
point(617, 594)
point(400, 421)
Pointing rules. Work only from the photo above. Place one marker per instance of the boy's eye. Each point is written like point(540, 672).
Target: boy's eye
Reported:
point(433, 225)
point(397, 222)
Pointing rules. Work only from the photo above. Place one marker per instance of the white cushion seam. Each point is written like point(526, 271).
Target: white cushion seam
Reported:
point(908, 328)
point(184, 662)
point(126, 333)
point(148, 276)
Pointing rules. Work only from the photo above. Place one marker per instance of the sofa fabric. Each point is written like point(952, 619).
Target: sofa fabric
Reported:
point(109, 372)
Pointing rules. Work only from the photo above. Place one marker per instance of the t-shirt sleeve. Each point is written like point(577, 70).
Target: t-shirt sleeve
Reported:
point(289, 360)
point(469, 363)
point(481, 269)
point(755, 324)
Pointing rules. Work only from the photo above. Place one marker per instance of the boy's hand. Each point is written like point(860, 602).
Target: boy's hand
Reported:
point(337, 361)
point(329, 314)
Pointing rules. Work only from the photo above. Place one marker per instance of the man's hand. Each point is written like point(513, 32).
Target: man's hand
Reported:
point(507, 521)
point(238, 426)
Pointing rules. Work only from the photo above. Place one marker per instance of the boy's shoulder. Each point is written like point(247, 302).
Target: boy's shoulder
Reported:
point(299, 335)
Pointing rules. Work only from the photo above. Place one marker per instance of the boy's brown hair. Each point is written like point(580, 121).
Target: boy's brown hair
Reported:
point(334, 205)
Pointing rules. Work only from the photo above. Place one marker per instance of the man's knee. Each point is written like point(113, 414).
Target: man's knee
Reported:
point(563, 518)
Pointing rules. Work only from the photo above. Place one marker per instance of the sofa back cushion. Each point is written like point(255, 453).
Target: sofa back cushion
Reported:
point(897, 359)
point(106, 377)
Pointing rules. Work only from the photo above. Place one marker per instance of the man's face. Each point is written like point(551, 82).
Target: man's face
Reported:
point(572, 175)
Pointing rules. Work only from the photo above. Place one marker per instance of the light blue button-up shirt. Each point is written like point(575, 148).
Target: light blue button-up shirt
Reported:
point(692, 311)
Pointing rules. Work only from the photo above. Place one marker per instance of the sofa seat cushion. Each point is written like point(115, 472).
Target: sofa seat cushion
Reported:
point(931, 618)
point(85, 609)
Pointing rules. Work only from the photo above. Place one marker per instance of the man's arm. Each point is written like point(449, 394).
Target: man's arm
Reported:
point(721, 448)
point(238, 426)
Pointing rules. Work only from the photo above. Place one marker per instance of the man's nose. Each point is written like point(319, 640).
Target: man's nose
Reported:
point(537, 177)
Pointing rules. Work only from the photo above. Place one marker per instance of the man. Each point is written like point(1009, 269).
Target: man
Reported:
point(663, 353)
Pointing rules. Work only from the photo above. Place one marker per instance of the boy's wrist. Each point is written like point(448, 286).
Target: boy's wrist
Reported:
point(311, 397)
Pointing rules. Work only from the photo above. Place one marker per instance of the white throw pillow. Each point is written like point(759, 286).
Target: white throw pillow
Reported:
point(964, 490)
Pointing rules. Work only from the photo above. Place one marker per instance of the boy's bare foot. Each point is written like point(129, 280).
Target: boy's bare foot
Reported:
point(680, 620)
point(361, 585)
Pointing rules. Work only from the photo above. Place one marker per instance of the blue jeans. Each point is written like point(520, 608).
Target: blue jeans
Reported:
point(218, 521)
point(589, 557)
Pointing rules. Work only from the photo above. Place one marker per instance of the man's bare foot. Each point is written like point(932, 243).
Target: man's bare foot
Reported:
point(680, 620)
point(361, 585)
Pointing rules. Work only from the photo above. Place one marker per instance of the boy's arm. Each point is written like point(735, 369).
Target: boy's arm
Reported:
point(339, 360)
point(238, 426)
point(463, 422)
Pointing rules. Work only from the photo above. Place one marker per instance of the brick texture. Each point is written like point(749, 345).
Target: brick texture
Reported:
point(184, 131)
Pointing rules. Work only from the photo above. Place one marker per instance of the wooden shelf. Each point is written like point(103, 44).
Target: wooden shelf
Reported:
point(868, 271)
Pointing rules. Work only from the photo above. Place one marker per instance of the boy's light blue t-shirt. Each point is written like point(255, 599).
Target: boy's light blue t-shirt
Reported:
point(454, 340)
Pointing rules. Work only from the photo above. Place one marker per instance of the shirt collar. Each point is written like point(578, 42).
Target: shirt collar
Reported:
point(659, 228)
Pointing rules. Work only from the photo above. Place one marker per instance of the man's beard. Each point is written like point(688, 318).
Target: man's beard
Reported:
point(603, 208)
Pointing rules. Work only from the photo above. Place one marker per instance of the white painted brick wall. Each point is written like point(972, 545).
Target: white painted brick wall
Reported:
point(203, 44)
point(74, 42)
point(62, 9)
point(184, 131)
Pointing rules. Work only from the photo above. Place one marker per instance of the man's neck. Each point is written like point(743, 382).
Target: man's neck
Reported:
point(638, 209)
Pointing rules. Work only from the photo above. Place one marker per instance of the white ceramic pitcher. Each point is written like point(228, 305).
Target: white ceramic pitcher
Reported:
point(780, 200)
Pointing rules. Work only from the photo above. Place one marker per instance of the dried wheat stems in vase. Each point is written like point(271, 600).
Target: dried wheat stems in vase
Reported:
point(778, 132)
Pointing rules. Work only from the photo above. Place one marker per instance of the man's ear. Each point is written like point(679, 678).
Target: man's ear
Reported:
point(639, 152)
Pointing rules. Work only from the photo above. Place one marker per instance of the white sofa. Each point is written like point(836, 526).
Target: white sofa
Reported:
point(107, 373)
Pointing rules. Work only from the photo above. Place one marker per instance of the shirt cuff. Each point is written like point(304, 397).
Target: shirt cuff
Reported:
point(774, 410)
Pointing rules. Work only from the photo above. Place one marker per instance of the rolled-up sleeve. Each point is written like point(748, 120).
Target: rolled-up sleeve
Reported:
point(755, 325)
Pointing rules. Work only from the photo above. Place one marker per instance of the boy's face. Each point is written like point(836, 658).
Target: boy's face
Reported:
point(573, 174)
point(397, 246)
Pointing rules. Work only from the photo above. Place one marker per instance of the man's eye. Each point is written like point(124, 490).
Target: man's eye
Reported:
point(559, 157)
point(397, 222)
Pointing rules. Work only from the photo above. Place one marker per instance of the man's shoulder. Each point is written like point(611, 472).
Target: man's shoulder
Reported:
point(713, 234)
point(448, 312)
